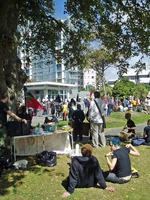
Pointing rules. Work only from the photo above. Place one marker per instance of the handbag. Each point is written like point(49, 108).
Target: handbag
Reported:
point(102, 116)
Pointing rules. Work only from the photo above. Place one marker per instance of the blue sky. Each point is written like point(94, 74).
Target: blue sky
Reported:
point(59, 12)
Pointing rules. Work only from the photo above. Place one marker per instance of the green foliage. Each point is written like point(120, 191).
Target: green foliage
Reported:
point(117, 25)
point(122, 27)
point(81, 89)
point(108, 90)
point(140, 91)
point(123, 88)
point(90, 88)
point(2, 132)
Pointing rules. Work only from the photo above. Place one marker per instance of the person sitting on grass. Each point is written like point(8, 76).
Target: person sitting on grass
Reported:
point(85, 172)
point(146, 133)
point(130, 127)
point(119, 165)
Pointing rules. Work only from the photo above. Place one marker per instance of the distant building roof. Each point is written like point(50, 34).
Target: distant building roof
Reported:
point(145, 80)
point(132, 72)
point(48, 83)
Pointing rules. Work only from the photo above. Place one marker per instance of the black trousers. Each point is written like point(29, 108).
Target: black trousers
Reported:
point(78, 128)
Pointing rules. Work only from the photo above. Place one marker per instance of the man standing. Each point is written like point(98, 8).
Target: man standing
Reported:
point(4, 110)
point(109, 104)
point(96, 121)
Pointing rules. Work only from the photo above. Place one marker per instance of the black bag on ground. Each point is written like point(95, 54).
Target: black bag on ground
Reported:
point(5, 164)
point(46, 158)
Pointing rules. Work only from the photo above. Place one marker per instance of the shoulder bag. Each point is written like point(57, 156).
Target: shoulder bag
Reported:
point(102, 116)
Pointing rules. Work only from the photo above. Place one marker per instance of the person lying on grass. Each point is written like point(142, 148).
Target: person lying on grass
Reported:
point(119, 165)
point(85, 172)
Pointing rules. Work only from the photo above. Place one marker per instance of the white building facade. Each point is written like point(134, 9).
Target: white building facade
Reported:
point(47, 70)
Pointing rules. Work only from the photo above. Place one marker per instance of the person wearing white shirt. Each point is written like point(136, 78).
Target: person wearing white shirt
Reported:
point(96, 121)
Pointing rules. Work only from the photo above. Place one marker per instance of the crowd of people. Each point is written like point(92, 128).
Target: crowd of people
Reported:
point(85, 170)
point(112, 104)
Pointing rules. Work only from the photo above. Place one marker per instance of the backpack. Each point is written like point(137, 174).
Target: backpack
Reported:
point(137, 141)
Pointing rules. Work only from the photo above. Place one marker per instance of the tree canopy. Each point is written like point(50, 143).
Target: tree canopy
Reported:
point(122, 27)
point(126, 88)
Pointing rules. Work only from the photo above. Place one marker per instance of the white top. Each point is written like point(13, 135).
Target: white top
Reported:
point(94, 114)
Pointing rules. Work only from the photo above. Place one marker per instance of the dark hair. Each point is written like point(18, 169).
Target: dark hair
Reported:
point(86, 150)
point(4, 96)
point(128, 115)
point(23, 109)
point(78, 106)
point(97, 94)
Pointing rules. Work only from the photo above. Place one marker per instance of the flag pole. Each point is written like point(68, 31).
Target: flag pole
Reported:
point(25, 95)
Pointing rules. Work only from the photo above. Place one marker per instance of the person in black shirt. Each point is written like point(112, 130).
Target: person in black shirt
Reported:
point(146, 132)
point(4, 110)
point(85, 172)
point(119, 165)
point(130, 125)
point(78, 118)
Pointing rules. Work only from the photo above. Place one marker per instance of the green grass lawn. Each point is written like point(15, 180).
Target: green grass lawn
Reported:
point(117, 119)
point(45, 183)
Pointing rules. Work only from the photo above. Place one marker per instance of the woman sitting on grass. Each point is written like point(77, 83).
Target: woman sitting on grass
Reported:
point(119, 165)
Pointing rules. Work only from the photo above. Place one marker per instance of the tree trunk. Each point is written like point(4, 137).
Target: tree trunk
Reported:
point(11, 75)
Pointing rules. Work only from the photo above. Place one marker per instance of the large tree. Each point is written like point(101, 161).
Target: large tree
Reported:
point(121, 26)
point(100, 60)
point(26, 25)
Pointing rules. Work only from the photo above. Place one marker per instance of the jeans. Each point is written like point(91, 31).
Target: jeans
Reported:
point(111, 177)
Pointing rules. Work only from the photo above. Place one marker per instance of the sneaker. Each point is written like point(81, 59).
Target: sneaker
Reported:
point(135, 175)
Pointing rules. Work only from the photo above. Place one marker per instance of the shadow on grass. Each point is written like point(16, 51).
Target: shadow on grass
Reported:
point(65, 183)
point(11, 178)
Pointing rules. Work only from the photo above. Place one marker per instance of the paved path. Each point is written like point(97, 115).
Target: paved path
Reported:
point(116, 131)
point(108, 131)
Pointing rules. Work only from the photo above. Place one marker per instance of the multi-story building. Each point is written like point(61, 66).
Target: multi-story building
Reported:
point(48, 69)
point(140, 77)
point(89, 78)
